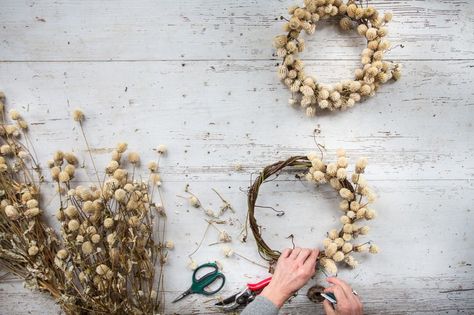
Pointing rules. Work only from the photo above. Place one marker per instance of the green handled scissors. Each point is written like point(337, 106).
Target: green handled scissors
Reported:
point(200, 284)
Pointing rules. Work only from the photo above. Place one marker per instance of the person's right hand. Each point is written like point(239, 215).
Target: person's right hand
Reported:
point(293, 270)
point(347, 302)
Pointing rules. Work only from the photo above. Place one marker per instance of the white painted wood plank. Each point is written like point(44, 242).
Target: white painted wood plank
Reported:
point(214, 115)
point(425, 249)
point(189, 30)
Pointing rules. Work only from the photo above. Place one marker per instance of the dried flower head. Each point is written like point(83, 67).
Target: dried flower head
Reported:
point(228, 251)
point(162, 149)
point(134, 158)
point(78, 115)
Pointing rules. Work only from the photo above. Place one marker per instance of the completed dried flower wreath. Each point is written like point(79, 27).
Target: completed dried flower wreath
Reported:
point(356, 197)
point(375, 71)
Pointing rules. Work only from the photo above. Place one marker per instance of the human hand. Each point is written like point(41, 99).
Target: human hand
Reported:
point(294, 268)
point(347, 302)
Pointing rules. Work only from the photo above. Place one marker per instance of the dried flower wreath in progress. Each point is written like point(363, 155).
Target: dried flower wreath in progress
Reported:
point(356, 197)
point(374, 72)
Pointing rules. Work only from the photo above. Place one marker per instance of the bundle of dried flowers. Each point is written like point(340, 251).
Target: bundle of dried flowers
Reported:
point(27, 244)
point(113, 236)
point(356, 197)
point(374, 72)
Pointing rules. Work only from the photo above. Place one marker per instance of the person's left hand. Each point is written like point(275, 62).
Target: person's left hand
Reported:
point(293, 270)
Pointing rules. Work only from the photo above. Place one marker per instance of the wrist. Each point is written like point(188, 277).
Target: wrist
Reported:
point(275, 295)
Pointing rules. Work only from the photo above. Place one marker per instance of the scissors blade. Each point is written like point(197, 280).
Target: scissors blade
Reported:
point(182, 295)
point(228, 300)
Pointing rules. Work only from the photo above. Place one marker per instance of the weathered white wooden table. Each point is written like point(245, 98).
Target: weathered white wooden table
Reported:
point(200, 77)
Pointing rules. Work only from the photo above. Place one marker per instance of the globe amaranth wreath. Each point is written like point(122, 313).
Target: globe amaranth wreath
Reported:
point(374, 72)
point(356, 197)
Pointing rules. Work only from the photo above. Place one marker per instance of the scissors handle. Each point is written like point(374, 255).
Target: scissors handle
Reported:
point(199, 284)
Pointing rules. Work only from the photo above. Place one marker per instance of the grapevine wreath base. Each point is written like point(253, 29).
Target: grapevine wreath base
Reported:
point(374, 72)
point(356, 196)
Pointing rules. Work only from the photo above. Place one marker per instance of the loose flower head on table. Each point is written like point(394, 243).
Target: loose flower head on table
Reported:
point(374, 72)
point(339, 245)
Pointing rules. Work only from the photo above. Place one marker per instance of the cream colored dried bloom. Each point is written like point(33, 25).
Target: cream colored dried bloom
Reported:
point(73, 225)
point(345, 23)
point(339, 242)
point(87, 248)
point(134, 158)
point(224, 237)
point(70, 169)
point(228, 252)
point(70, 158)
point(62, 254)
point(331, 169)
point(95, 238)
point(11, 212)
point(362, 29)
point(192, 264)
point(33, 212)
point(319, 177)
point(169, 244)
point(369, 214)
point(64, 177)
point(102, 269)
point(371, 33)
point(333, 234)
point(373, 249)
point(55, 172)
point(351, 214)
point(71, 212)
point(347, 237)
point(120, 195)
point(33, 250)
point(346, 194)
point(347, 247)
point(364, 230)
point(32, 203)
point(347, 228)
point(354, 206)
point(78, 115)
point(323, 94)
point(351, 261)
point(342, 161)
point(280, 41)
point(194, 201)
point(344, 219)
point(341, 174)
point(340, 152)
point(344, 205)
point(335, 183)
point(14, 114)
point(112, 167)
point(329, 265)
point(108, 223)
point(153, 166)
point(6, 149)
point(338, 256)
point(330, 250)
point(162, 149)
point(210, 213)
point(121, 147)
point(361, 164)
point(360, 213)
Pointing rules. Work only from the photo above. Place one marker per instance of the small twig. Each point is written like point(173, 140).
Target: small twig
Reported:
point(225, 204)
point(200, 242)
point(279, 212)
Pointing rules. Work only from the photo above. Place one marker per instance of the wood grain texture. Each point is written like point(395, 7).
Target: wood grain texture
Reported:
point(200, 77)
